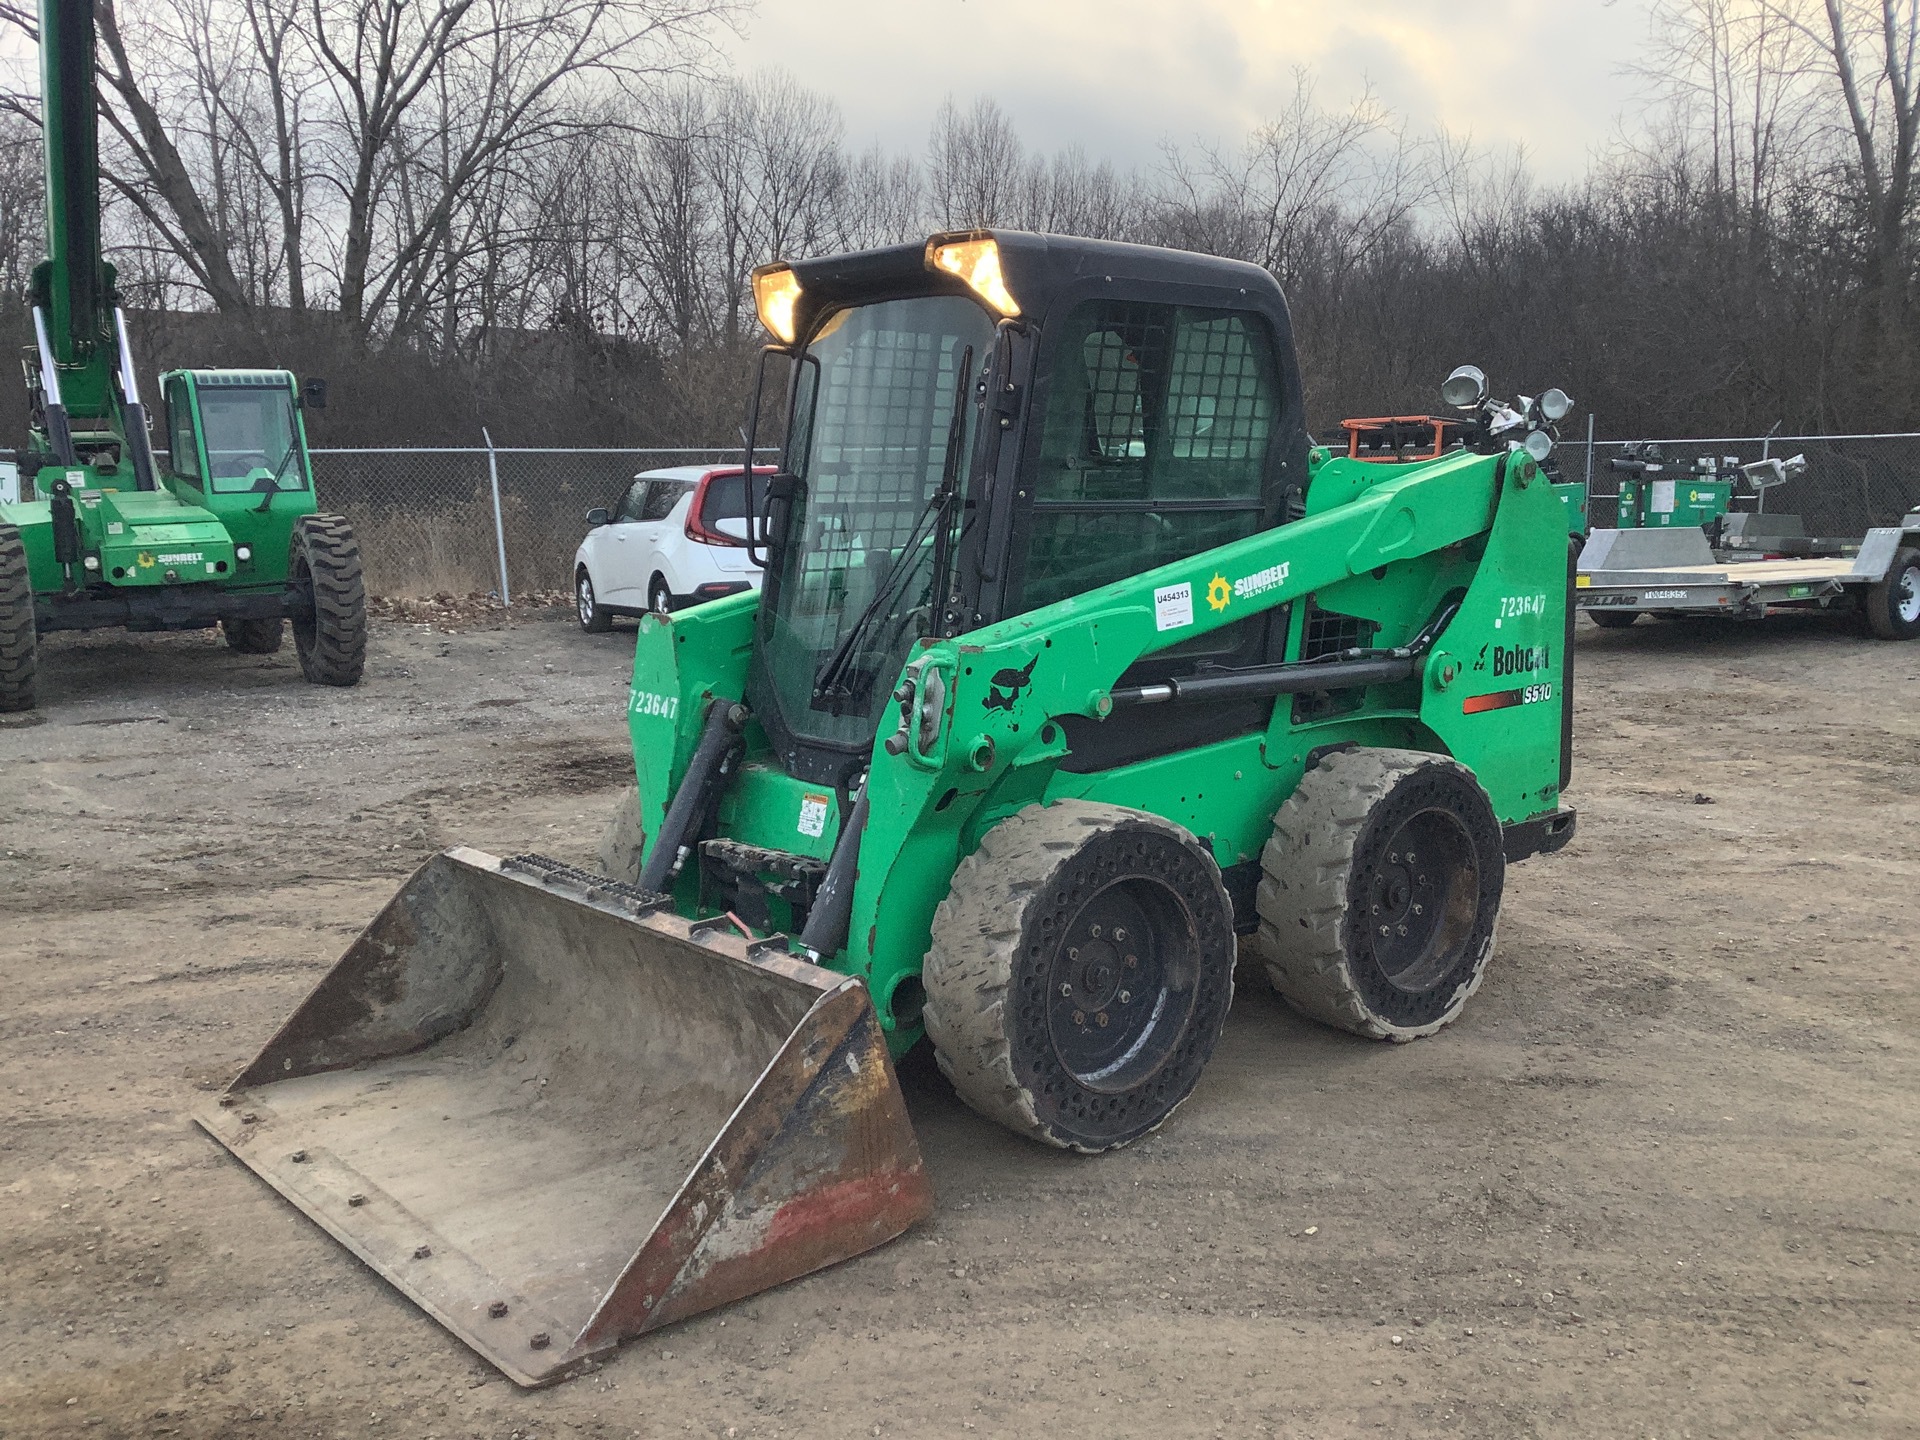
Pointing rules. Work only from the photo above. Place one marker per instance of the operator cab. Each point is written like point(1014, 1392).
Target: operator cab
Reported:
point(235, 431)
point(992, 422)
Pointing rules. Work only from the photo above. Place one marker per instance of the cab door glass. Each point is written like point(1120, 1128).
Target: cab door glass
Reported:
point(183, 446)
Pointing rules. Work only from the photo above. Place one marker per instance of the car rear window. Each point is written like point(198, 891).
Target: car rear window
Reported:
point(727, 497)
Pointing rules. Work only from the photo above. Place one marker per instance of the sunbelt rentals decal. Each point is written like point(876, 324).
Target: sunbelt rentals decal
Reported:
point(1222, 592)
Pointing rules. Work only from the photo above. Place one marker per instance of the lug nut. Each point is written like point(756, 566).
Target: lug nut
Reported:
point(299, 1157)
point(1102, 1018)
point(1094, 930)
point(1073, 952)
point(1066, 990)
point(1126, 997)
point(247, 1117)
point(498, 1309)
point(422, 1252)
point(1079, 1017)
point(1119, 935)
point(356, 1200)
point(1133, 962)
point(541, 1341)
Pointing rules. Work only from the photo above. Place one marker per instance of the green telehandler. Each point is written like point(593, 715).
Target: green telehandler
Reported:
point(227, 531)
point(1077, 668)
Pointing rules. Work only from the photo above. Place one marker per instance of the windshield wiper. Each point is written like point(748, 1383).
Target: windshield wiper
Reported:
point(273, 486)
point(827, 683)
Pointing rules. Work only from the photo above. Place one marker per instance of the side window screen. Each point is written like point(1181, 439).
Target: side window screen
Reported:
point(1154, 442)
point(183, 446)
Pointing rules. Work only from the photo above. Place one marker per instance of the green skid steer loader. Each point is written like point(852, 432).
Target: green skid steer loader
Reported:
point(227, 531)
point(1077, 666)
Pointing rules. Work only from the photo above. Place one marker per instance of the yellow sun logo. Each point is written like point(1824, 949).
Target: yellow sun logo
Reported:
point(1219, 592)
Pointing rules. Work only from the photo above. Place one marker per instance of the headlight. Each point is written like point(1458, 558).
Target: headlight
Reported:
point(776, 291)
point(1555, 405)
point(243, 552)
point(976, 260)
point(92, 562)
point(1538, 444)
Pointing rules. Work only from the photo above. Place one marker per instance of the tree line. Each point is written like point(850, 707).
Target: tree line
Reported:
point(539, 215)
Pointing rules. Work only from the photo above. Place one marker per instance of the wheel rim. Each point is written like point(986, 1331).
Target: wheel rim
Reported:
point(585, 597)
point(1121, 985)
point(661, 600)
point(1907, 600)
point(1423, 897)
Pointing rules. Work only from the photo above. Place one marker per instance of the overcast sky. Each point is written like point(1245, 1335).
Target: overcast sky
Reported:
point(1118, 76)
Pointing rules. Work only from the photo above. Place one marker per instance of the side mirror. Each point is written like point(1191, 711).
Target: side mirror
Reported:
point(598, 516)
point(313, 393)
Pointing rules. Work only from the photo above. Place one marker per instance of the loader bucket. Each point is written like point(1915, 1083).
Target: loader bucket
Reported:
point(555, 1115)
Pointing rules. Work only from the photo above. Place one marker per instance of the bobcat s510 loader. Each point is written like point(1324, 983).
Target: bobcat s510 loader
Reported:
point(1076, 665)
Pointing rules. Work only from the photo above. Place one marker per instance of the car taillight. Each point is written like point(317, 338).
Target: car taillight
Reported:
point(697, 527)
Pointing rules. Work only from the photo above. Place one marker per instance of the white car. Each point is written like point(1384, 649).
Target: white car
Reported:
point(677, 537)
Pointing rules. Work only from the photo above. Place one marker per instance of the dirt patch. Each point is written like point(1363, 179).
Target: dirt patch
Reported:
point(1662, 1178)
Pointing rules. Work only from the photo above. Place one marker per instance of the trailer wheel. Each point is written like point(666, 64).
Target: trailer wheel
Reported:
point(1893, 602)
point(1613, 619)
point(330, 632)
point(623, 839)
point(254, 637)
point(1080, 973)
point(19, 639)
point(1380, 891)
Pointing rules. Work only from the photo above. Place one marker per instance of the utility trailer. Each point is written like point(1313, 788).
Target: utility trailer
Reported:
point(1624, 574)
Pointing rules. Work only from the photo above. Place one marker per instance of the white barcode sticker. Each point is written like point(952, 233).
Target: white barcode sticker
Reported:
point(1173, 607)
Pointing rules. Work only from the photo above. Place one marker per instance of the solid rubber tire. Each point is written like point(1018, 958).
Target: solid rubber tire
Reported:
point(19, 637)
point(987, 967)
point(254, 637)
point(1883, 598)
point(596, 619)
point(1312, 924)
point(332, 639)
point(1613, 619)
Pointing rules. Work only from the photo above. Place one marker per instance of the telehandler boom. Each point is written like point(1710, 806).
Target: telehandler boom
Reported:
point(226, 531)
point(1077, 667)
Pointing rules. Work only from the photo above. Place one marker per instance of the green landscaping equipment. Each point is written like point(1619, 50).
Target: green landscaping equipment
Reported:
point(1077, 667)
point(226, 531)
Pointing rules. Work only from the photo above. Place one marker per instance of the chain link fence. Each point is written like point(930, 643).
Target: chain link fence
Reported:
point(451, 520)
point(426, 518)
point(1851, 483)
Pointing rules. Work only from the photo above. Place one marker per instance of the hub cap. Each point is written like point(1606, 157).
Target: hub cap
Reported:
point(586, 600)
point(1422, 899)
point(1122, 984)
point(1907, 599)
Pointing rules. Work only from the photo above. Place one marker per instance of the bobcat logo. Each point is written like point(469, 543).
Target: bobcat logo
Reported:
point(1007, 685)
point(1481, 663)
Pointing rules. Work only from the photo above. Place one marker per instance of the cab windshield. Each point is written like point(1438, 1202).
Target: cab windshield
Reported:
point(251, 438)
point(881, 390)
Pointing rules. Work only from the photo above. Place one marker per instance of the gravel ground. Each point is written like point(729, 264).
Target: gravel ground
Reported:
point(1660, 1180)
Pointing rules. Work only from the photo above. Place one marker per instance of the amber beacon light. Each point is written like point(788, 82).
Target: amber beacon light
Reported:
point(976, 260)
point(776, 291)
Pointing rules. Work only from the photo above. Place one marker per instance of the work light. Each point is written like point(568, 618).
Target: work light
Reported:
point(976, 260)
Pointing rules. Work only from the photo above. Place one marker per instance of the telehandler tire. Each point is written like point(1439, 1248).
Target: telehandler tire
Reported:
point(1380, 892)
point(1080, 973)
point(254, 637)
point(1613, 619)
point(331, 637)
point(620, 844)
point(19, 638)
point(1893, 602)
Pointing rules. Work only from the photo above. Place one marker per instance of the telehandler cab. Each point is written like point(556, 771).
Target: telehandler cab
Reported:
point(1076, 666)
point(226, 531)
